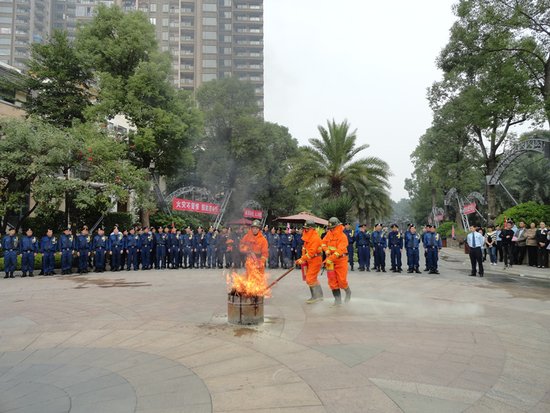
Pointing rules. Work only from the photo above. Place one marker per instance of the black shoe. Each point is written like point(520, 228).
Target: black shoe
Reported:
point(409, 271)
point(393, 270)
point(361, 269)
point(436, 272)
point(31, 275)
point(472, 275)
point(6, 276)
point(383, 270)
point(418, 271)
point(12, 276)
point(481, 275)
point(368, 270)
point(24, 275)
point(378, 270)
point(41, 273)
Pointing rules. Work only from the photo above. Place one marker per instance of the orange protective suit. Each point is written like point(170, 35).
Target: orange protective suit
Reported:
point(255, 245)
point(335, 245)
point(312, 257)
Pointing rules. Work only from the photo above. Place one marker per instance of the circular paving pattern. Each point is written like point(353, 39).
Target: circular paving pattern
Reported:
point(80, 380)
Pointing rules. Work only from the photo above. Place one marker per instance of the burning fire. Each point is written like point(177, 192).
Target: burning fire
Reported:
point(251, 284)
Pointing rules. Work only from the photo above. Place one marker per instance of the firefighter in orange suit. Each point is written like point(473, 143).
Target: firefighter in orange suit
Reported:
point(254, 244)
point(335, 246)
point(312, 261)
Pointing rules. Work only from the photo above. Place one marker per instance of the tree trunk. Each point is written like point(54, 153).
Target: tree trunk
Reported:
point(491, 192)
point(144, 217)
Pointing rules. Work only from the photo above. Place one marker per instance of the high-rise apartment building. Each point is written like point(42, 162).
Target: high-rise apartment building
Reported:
point(207, 39)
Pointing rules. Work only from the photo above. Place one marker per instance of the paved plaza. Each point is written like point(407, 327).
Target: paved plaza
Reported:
point(158, 341)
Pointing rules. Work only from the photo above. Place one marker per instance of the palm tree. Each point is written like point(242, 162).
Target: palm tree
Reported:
point(329, 165)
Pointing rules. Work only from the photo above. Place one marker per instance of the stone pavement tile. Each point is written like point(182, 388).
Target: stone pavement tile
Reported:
point(114, 338)
point(44, 355)
point(417, 403)
point(17, 342)
point(307, 359)
point(95, 384)
point(167, 401)
point(26, 372)
point(489, 405)
point(327, 377)
point(11, 358)
point(112, 393)
point(143, 338)
point(219, 353)
point(357, 400)
point(51, 339)
point(68, 375)
point(298, 409)
point(111, 406)
point(276, 396)
point(235, 365)
point(121, 360)
point(62, 405)
point(274, 346)
point(169, 341)
point(195, 408)
point(175, 372)
point(28, 393)
point(84, 338)
point(145, 367)
point(541, 408)
point(350, 354)
point(267, 376)
point(517, 393)
point(174, 385)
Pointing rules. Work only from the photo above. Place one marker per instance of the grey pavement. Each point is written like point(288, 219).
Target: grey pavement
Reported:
point(158, 341)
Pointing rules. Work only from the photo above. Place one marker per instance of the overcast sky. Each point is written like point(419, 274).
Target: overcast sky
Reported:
point(365, 61)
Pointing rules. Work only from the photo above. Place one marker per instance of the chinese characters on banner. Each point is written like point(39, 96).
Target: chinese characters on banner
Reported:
point(195, 206)
point(470, 208)
point(252, 213)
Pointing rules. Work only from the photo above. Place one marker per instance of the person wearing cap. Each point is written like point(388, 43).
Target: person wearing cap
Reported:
point(161, 241)
point(274, 243)
point(311, 261)
point(10, 245)
point(154, 262)
point(211, 239)
point(412, 245)
point(132, 246)
point(123, 253)
point(146, 246)
point(288, 243)
point(173, 248)
point(254, 245)
point(379, 243)
point(48, 247)
point(66, 247)
point(351, 239)
point(83, 246)
point(299, 242)
point(362, 242)
point(115, 245)
point(432, 243)
point(395, 241)
point(475, 241)
point(100, 246)
point(28, 247)
point(335, 247)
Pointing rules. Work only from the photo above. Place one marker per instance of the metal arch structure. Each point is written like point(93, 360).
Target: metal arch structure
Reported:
point(196, 193)
point(539, 145)
point(453, 193)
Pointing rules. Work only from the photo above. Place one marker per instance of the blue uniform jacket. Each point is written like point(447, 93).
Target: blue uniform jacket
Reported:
point(395, 239)
point(146, 240)
point(66, 242)
point(48, 244)
point(115, 242)
point(378, 238)
point(432, 239)
point(412, 240)
point(10, 243)
point(100, 242)
point(83, 242)
point(28, 244)
point(132, 241)
point(362, 239)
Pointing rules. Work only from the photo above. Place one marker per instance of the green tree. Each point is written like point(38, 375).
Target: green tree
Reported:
point(515, 31)
point(330, 166)
point(59, 82)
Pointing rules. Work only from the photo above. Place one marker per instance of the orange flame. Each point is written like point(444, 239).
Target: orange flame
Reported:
point(251, 284)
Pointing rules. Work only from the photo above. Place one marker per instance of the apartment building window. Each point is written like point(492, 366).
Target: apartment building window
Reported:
point(209, 21)
point(4, 52)
point(206, 77)
point(153, 7)
point(165, 8)
point(209, 35)
point(5, 20)
point(5, 40)
point(227, 39)
point(209, 49)
point(209, 63)
point(153, 21)
point(227, 26)
point(209, 7)
point(227, 3)
point(164, 22)
point(227, 50)
point(164, 35)
point(227, 14)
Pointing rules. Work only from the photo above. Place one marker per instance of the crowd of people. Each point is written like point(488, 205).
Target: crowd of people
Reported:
point(511, 244)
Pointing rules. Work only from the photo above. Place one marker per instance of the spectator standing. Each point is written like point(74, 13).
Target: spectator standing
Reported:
point(521, 243)
point(475, 241)
point(531, 243)
point(506, 235)
point(542, 243)
point(491, 245)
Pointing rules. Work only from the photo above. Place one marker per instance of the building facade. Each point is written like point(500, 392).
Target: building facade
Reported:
point(207, 39)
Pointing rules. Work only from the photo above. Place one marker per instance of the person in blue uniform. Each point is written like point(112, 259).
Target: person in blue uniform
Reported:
point(66, 247)
point(132, 245)
point(83, 246)
point(100, 247)
point(412, 246)
point(123, 254)
point(351, 239)
point(432, 243)
point(154, 262)
point(10, 245)
point(287, 245)
point(115, 245)
point(362, 243)
point(173, 248)
point(299, 244)
point(274, 245)
point(162, 241)
point(221, 247)
point(395, 241)
point(379, 244)
point(187, 246)
point(48, 247)
point(201, 248)
point(146, 245)
point(28, 249)
point(211, 238)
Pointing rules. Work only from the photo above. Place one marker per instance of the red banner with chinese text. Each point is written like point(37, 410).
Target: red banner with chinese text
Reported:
point(252, 213)
point(179, 204)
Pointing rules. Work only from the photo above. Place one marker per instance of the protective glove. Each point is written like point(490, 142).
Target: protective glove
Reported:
point(329, 265)
point(299, 261)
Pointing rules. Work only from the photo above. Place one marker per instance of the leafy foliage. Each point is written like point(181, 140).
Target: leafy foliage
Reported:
point(528, 212)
